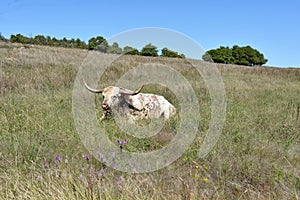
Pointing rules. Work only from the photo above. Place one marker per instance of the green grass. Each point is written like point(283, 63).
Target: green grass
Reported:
point(256, 157)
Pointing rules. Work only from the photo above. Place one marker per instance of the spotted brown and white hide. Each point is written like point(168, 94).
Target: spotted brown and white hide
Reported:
point(133, 104)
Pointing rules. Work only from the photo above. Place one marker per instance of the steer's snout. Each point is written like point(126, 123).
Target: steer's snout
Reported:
point(105, 106)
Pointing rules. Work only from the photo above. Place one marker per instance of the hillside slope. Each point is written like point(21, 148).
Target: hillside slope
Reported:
point(42, 157)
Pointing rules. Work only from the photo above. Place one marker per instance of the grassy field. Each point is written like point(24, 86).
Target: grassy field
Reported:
point(42, 157)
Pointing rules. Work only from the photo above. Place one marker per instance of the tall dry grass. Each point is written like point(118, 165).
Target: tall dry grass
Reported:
point(41, 157)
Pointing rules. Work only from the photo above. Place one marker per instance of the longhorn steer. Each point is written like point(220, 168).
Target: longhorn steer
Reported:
point(134, 104)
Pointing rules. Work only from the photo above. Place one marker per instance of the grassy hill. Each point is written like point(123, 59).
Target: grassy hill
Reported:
point(42, 157)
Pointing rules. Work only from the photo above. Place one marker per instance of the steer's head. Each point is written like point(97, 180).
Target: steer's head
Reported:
point(114, 97)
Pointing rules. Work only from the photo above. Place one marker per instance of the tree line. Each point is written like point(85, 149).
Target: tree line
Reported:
point(98, 43)
point(236, 55)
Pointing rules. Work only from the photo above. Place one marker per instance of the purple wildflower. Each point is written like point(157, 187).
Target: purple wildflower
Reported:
point(45, 164)
point(58, 159)
point(86, 157)
point(122, 143)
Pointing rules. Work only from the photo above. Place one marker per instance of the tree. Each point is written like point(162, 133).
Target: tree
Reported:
point(149, 50)
point(225, 54)
point(221, 55)
point(130, 51)
point(165, 52)
point(235, 55)
point(95, 41)
point(55, 42)
point(64, 42)
point(114, 48)
point(102, 47)
point(247, 56)
point(49, 41)
point(40, 39)
point(80, 44)
point(18, 39)
point(254, 56)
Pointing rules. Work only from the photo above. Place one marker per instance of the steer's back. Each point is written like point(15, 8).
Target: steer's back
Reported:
point(153, 106)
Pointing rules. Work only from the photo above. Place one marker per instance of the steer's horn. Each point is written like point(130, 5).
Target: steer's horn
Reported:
point(91, 89)
point(133, 92)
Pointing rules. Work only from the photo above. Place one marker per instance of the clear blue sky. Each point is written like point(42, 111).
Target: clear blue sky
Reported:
point(270, 26)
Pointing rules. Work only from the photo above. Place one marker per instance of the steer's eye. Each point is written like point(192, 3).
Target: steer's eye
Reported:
point(114, 97)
